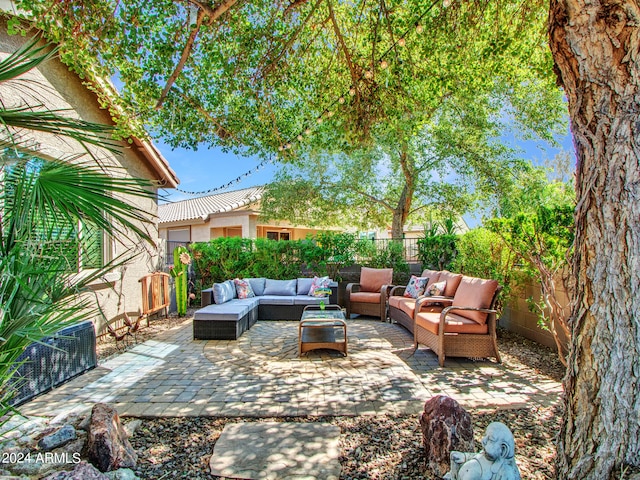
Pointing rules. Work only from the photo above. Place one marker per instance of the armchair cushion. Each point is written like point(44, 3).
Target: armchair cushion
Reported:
point(454, 323)
point(372, 279)
point(365, 297)
point(475, 293)
point(453, 280)
point(415, 287)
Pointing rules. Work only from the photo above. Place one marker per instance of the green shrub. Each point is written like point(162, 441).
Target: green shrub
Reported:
point(482, 253)
point(436, 251)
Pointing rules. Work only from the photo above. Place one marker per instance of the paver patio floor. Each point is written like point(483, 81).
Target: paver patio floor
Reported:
point(260, 375)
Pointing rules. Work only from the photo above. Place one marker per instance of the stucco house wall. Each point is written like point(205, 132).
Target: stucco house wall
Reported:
point(55, 87)
point(230, 214)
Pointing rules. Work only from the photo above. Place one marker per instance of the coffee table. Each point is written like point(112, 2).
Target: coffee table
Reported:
point(322, 329)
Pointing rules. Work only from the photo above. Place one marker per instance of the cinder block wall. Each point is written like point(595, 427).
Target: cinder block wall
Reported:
point(517, 317)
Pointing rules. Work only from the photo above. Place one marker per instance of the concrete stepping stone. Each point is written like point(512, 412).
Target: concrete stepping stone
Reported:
point(277, 450)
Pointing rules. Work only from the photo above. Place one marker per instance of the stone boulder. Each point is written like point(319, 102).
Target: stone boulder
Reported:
point(446, 426)
point(107, 443)
point(61, 437)
point(82, 471)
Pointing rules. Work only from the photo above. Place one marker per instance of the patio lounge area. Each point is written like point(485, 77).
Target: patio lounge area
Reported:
point(261, 375)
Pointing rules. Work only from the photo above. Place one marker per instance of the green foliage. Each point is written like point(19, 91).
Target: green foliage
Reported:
point(483, 254)
point(391, 255)
point(324, 254)
point(437, 252)
point(221, 259)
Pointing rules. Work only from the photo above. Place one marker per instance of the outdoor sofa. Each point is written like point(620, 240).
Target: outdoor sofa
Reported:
point(461, 322)
point(224, 316)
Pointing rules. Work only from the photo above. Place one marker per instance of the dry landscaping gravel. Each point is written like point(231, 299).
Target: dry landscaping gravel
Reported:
point(372, 447)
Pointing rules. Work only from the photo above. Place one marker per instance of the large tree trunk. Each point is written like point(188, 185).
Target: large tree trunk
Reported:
point(595, 47)
point(400, 213)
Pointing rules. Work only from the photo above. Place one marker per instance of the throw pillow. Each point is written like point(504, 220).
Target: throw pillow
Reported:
point(436, 289)
point(415, 287)
point(243, 288)
point(280, 287)
point(319, 283)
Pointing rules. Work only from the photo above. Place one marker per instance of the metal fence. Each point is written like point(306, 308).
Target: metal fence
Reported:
point(410, 247)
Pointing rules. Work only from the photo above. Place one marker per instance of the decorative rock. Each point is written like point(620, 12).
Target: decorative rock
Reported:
point(495, 461)
point(57, 439)
point(122, 474)
point(107, 443)
point(82, 471)
point(132, 426)
point(446, 426)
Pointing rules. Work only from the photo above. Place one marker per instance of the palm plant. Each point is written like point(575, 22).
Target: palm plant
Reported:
point(42, 204)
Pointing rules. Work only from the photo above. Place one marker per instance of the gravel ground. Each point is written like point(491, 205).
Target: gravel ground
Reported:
point(372, 447)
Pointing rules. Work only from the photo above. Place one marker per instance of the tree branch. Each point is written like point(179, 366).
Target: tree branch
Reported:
point(271, 65)
point(183, 59)
point(294, 5)
point(343, 45)
point(213, 14)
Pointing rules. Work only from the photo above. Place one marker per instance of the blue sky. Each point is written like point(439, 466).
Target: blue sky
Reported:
point(206, 169)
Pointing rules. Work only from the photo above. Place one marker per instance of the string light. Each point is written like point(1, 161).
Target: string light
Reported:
point(368, 74)
point(341, 100)
point(229, 184)
point(419, 29)
point(402, 42)
point(384, 64)
point(446, 3)
point(352, 91)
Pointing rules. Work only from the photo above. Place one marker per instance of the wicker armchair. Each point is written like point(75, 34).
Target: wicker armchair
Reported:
point(467, 328)
point(369, 296)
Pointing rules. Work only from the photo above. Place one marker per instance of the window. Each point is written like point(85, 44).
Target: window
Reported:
point(81, 246)
point(271, 235)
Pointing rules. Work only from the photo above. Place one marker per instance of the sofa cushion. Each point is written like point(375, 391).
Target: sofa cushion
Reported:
point(280, 287)
point(407, 305)
point(476, 293)
point(243, 288)
point(452, 279)
point(257, 285)
point(309, 300)
point(415, 287)
point(304, 284)
point(319, 283)
point(455, 324)
point(252, 302)
point(223, 292)
point(277, 299)
point(225, 311)
point(432, 275)
point(365, 297)
point(372, 279)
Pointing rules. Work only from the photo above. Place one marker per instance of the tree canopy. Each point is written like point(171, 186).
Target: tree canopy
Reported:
point(296, 78)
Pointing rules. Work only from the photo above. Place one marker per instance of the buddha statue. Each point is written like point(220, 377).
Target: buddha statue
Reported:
point(495, 462)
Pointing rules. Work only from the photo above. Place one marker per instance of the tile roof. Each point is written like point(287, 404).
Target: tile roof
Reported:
point(200, 208)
